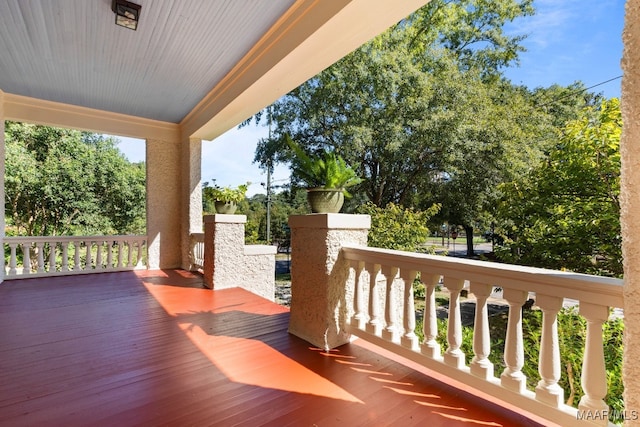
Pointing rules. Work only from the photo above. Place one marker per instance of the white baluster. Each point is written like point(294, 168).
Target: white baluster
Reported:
point(480, 365)
point(40, 256)
point(26, 258)
point(548, 390)
point(120, 254)
point(130, 254)
point(52, 256)
point(359, 317)
point(88, 257)
point(375, 321)
point(109, 254)
point(454, 356)
point(99, 245)
point(65, 256)
point(76, 256)
point(430, 346)
point(139, 245)
point(409, 339)
point(512, 376)
point(12, 261)
point(390, 332)
point(199, 252)
point(144, 252)
point(594, 374)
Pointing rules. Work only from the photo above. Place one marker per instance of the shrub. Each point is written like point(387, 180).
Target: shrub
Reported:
point(396, 227)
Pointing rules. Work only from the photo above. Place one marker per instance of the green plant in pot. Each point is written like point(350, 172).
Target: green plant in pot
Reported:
point(227, 198)
point(326, 175)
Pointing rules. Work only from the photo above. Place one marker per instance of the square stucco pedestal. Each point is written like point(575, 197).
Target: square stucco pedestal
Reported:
point(229, 263)
point(321, 289)
point(225, 255)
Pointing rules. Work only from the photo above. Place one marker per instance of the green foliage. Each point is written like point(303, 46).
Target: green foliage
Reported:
point(395, 227)
point(66, 182)
point(613, 356)
point(283, 204)
point(224, 194)
point(423, 114)
point(325, 169)
point(565, 213)
point(473, 31)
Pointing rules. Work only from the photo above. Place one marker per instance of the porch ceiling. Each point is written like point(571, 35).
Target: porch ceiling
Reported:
point(198, 65)
point(70, 51)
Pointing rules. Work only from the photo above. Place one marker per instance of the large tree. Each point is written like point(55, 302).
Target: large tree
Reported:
point(424, 115)
point(499, 140)
point(393, 106)
point(565, 212)
point(61, 182)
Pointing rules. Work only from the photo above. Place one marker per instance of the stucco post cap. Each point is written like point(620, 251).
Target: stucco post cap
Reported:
point(331, 220)
point(224, 218)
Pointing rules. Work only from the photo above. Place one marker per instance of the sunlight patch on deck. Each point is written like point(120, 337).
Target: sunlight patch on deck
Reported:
point(269, 365)
point(242, 359)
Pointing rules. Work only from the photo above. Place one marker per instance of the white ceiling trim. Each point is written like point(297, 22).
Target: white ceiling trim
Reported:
point(311, 36)
point(25, 109)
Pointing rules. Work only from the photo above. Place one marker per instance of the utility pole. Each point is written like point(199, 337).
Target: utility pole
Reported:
point(269, 167)
point(269, 198)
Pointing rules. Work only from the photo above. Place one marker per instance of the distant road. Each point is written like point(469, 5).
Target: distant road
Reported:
point(459, 247)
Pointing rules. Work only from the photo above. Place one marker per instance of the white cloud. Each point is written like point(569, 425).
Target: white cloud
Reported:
point(554, 19)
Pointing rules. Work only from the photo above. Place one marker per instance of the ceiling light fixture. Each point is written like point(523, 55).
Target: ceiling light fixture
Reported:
point(127, 13)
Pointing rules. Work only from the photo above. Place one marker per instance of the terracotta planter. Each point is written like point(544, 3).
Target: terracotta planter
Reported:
point(323, 200)
point(226, 207)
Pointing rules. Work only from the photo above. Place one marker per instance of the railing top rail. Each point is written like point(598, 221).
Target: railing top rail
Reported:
point(583, 287)
point(45, 239)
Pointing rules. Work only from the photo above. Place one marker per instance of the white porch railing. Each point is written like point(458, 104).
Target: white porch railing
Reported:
point(391, 324)
point(196, 251)
point(38, 256)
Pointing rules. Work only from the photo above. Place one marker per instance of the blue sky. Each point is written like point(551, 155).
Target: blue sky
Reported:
point(567, 41)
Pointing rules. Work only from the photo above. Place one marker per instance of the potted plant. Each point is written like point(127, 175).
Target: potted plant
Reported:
point(227, 198)
point(326, 175)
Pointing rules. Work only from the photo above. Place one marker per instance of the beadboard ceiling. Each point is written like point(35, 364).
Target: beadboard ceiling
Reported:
point(71, 51)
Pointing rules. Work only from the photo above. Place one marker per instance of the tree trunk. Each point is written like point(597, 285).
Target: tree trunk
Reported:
point(468, 230)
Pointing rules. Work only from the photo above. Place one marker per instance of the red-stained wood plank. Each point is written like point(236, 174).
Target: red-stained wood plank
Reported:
point(157, 348)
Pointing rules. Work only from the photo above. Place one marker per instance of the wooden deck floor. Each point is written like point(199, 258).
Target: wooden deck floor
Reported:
point(156, 348)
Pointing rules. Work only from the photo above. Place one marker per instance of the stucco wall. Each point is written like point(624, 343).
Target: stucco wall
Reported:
point(163, 203)
point(319, 275)
point(630, 204)
point(259, 270)
point(191, 195)
point(229, 263)
point(228, 252)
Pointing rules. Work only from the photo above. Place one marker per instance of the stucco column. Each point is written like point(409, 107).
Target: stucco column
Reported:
point(321, 289)
point(630, 204)
point(191, 194)
point(164, 204)
point(224, 250)
point(2, 156)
